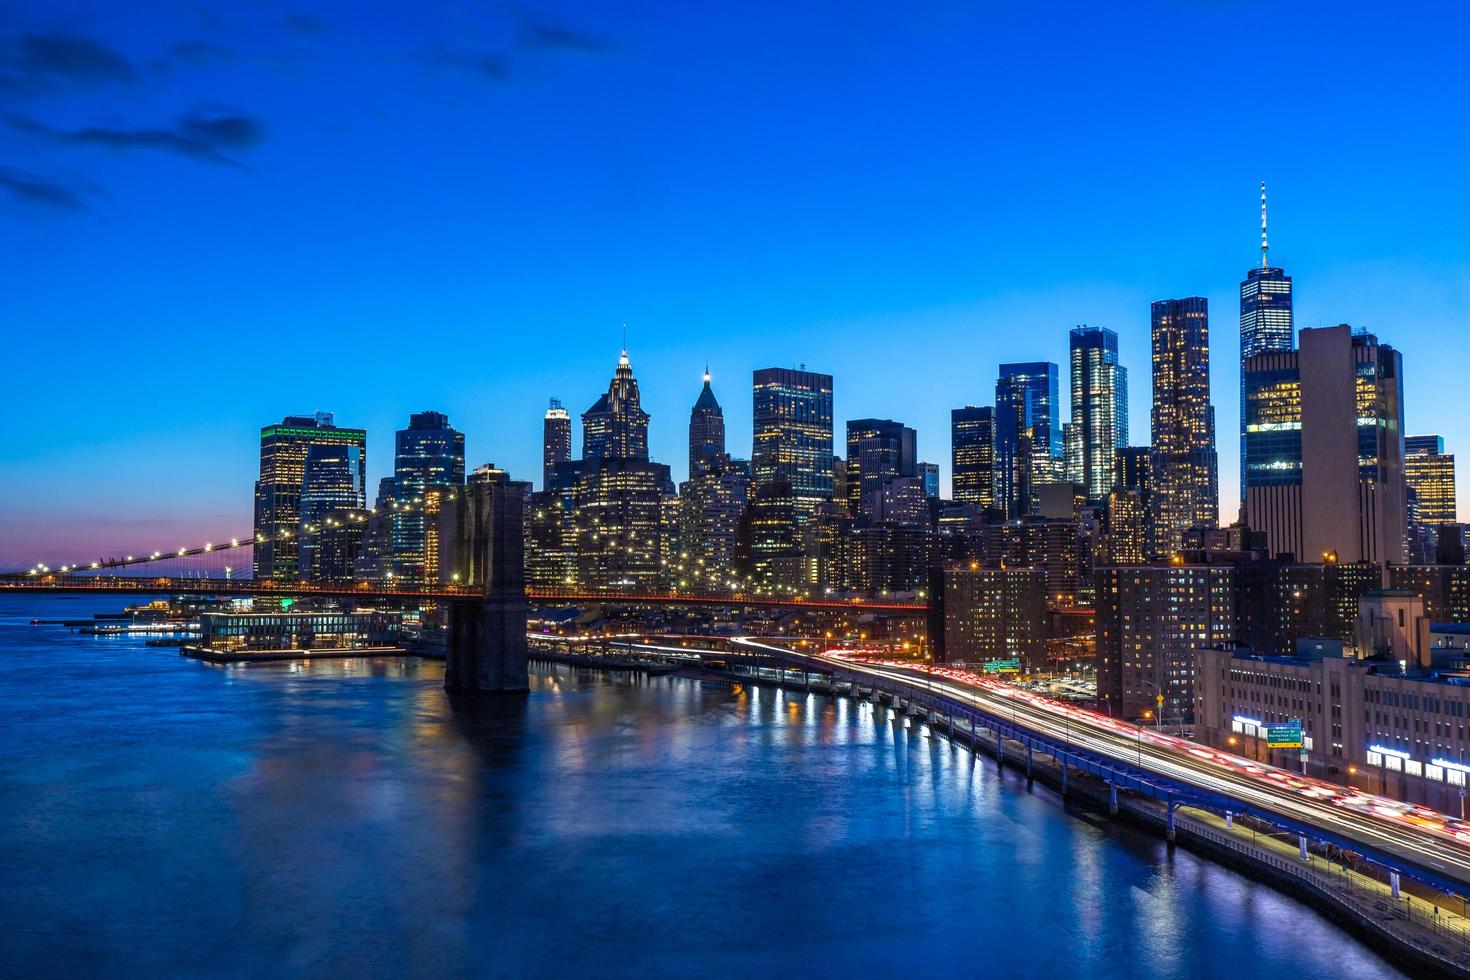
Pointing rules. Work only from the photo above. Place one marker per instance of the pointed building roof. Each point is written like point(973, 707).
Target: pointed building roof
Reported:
point(707, 401)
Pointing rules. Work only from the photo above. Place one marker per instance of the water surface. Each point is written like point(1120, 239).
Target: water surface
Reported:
point(160, 816)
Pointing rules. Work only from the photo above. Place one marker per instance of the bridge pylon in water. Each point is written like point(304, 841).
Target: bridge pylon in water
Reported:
point(486, 647)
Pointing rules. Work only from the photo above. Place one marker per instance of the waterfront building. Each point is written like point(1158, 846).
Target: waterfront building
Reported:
point(877, 450)
point(1099, 426)
point(616, 426)
point(972, 459)
point(283, 453)
point(1325, 426)
point(1028, 435)
point(1184, 489)
point(706, 431)
point(1150, 621)
point(556, 441)
point(792, 435)
point(428, 454)
point(993, 614)
point(1265, 327)
point(1365, 723)
point(264, 632)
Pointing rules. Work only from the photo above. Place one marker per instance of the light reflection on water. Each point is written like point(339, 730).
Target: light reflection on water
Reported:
point(163, 816)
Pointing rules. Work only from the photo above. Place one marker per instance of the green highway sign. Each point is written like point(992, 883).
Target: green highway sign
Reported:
point(1011, 666)
point(1284, 736)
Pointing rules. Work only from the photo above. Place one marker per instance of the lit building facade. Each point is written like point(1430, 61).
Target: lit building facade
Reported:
point(283, 453)
point(1185, 484)
point(792, 435)
point(1265, 327)
point(1028, 435)
point(706, 431)
point(994, 614)
point(1325, 425)
point(1364, 723)
point(331, 481)
point(878, 450)
point(429, 454)
point(972, 455)
point(1430, 474)
point(1150, 621)
point(616, 426)
point(556, 441)
point(1099, 425)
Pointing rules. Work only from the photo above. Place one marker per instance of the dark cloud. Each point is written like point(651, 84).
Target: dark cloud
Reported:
point(487, 64)
point(542, 30)
point(203, 134)
point(43, 191)
point(199, 52)
point(31, 62)
point(307, 25)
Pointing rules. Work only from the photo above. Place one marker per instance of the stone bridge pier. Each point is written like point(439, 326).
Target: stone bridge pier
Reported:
point(486, 647)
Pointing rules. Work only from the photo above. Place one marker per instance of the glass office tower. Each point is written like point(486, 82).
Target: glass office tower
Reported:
point(792, 435)
point(1099, 408)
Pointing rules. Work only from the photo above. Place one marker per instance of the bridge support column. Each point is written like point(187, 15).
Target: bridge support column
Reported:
point(1301, 844)
point(1169, 822)
point(1229, 820)
point(1393, 884)
point(1065, 770)
point(1028, 768)
point(486, 651)
point(1112, 798)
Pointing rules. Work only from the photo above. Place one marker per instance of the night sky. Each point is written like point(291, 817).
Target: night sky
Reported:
point(220, 214)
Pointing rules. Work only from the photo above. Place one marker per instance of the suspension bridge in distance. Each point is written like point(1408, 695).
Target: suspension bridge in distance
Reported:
point(487, 615)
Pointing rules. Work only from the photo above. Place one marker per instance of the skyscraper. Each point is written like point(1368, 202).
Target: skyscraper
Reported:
point(618, 496)
point(792, 435)
point(929, 475)
point(972, 455)
point(877, 450)
point(331, 482)
point(1185, 485)
point(556, 441)
point(1265, 325)
point(616, 426)
point(1430, 473)
point(706, 430)
point(1325, 448)
point(283, 451)
point(1099, 407)
point(1028, 434)
point(429, 453)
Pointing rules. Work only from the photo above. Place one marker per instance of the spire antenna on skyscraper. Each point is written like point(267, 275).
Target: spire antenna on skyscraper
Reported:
point(1264, 247)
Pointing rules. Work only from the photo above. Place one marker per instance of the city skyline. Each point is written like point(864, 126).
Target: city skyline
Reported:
point(822, 260)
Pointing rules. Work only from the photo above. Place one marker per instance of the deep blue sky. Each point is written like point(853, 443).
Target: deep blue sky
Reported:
point(219, 214)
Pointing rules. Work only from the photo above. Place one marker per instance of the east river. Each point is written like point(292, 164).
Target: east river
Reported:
point(163, 817)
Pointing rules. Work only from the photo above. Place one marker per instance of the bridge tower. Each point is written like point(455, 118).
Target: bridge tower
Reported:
point(486, 649)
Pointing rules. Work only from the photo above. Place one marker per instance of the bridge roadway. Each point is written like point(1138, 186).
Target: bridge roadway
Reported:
point(1189, 774)
point(124, 585)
